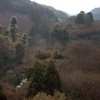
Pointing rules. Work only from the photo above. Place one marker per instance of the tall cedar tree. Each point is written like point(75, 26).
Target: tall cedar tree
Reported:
point(36, 77)
point(60, 33)
point(13, 28)
point(20, 49)
point(52, 79)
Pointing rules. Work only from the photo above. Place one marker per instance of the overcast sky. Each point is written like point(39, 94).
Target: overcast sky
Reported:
point(71, 6)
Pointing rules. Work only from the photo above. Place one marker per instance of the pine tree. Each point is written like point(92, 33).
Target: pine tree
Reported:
point(13, 21)
point(52, 79)
point(36, 77)
point(91, 16)
point(13, 28)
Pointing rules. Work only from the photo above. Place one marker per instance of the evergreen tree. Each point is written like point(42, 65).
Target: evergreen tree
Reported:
point(85, 19)
point(24, 38)
point(80, 18)
point(36, 77)
point(43, 78)
point(13, 21)
point(13, 28)
point(52, 79)
point(90, 16)
point(35, 19)
point(20, 49)
point(60, 33)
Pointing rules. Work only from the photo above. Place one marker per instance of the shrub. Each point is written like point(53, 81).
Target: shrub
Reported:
point(57, 55)
point(42, 55)
point(84, 55)
point(43, 96)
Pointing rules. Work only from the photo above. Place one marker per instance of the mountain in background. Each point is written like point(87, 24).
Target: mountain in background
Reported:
point(96, 13)
point(22, 10)
point(59, 14)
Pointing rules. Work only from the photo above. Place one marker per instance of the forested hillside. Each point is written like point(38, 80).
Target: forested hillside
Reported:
point(22, 9)
point(46, 55)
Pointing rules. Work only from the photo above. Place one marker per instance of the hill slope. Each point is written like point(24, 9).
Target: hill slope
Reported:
point(96, 13)
point(22, 9)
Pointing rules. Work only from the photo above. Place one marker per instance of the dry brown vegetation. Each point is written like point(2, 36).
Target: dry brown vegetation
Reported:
point(43, 96)
point(78, 63)
point(80, 70)
point(81, 86)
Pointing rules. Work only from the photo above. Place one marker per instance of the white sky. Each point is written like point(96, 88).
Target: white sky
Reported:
point(71, 6)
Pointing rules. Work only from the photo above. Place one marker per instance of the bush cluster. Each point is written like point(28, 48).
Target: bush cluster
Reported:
point(42, 55)
point(43, 78)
